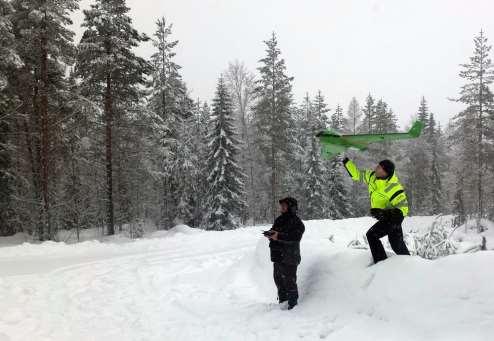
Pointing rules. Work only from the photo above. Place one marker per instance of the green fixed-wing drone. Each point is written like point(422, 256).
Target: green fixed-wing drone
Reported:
point(334, 143)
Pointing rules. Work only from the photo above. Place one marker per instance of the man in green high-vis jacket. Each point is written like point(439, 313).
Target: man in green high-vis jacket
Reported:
point(388, 203)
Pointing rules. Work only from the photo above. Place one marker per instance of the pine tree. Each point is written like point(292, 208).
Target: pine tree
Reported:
point(225, 178)
point(273, 120)
point(45, 45)
point(476, 95)
point(111, 73)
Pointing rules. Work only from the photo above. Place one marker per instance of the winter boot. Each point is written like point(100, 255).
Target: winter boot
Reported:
point(291, 304)
point(282, 297)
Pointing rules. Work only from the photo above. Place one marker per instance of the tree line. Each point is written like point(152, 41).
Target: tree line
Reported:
point(92, 134)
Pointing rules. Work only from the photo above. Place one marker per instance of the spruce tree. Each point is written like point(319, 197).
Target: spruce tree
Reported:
point(419, 167)
point(436, 183)
point(384, 119)
point(167, 92)
point(337, 119)
point(423, 112)
point(301, 146)
point(273, 120)
point(316, 195)
point(338, 202)
point(184, 168)
point(200, 138)
point(477, 96)
point(315, 189)
point(369, 112)
point(226, 180)
point(320, 117)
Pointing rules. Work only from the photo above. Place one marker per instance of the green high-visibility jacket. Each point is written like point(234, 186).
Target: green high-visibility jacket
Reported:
point(383, 193)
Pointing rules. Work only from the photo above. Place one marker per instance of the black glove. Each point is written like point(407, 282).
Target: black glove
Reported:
point(345, 160)
point(268, 233)
point(377, 213)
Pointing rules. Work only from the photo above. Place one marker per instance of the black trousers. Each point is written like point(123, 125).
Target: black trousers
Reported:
point(285, 278)
point(395, 237)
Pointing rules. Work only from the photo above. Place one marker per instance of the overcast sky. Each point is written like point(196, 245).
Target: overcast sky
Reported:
point(399, 50)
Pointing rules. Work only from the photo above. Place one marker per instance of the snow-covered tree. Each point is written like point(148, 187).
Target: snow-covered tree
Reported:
point(435, 242)
point(473, 131)
point(320, 117)
point(273, 120)
point(314, 187)
point(44, 43)
point(167, 94)
point(241, 84)
point(8, 54)
point(200, 133)
point(338, 199)
point(185, 168)
point(384, 119)
point(418, 167)
point(111, 74)
point(301, 146)
point(369, 113)
point(354, 116)
point(423, 112)
point(337, 120)
point(10, 61)
point(226, 180)
point(316, 197)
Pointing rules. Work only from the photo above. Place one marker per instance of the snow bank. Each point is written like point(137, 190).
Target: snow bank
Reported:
point(179, 229)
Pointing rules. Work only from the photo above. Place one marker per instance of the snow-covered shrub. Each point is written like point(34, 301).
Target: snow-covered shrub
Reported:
point(435, 242)
point(136, 229)
point(358, 243)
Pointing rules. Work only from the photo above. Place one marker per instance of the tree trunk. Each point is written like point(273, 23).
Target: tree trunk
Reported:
point(273, 182)
point(109, 167)
point(45, 137)
point(480, 160)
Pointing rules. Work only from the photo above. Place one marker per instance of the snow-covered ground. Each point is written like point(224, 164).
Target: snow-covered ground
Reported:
point(189, 284)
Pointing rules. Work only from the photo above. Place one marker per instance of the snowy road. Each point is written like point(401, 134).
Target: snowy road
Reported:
point(194, 285)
